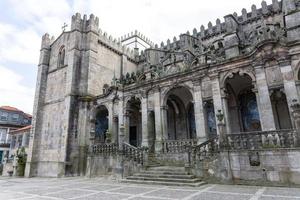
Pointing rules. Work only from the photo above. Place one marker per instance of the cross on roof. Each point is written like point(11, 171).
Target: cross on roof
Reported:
point(64, 27)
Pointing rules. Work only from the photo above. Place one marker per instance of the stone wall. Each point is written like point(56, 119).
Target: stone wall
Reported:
point(111, 165)
point(275, 167)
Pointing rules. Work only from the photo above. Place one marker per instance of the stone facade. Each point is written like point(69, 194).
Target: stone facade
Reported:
point(234, 77)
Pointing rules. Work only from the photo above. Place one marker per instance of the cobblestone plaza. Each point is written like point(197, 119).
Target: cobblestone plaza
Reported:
point(101, 188)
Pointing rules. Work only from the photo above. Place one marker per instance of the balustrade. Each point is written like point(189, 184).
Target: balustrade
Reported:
point(105, 149)
point(134, 153)
point(262, 140)
point(177, 146)
point(205, 150)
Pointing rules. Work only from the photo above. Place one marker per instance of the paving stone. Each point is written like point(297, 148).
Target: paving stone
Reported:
point(146, 198)
point(102, 187)
point(277, 198)
point(293, 192)
point(169, 193)
point(67, 194)
point(220, 196)
point(104, 196)
point(132, 190)
point(14, 195)
point(235, 189)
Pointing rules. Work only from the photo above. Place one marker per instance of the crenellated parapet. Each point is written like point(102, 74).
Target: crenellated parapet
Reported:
point(237, 36)
point(84, 24)
point(115, 44)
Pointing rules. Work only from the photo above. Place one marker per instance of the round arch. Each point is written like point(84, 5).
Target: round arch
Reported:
point(180, 119)
point(101, 123)
point(183, 87)
point(242, 106)
point(240, 72)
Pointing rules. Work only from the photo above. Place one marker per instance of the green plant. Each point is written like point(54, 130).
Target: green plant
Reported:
point(270, 146)
point(22, 157)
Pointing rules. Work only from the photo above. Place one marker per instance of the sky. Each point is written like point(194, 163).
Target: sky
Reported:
point(23, 22)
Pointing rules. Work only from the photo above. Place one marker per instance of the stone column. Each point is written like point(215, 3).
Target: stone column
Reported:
point(158, 121)
point(110, 121)
point(145, 137)
point(225, 107)
point(296, 117)
point(217, 99)
point(164, 122)
point(289, 85)
point(198, 111)
point(263, 100)
point(121, 123)
point(126, 126)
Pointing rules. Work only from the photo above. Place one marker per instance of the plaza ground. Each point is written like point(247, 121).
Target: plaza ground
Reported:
point(102, 188)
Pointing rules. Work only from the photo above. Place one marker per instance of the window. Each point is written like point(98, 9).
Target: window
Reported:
point(19, 140)
point(4, 116)
point(3, 133)
point(13, 142)
point(61, 57)
point(15, 117)
point(27, 137)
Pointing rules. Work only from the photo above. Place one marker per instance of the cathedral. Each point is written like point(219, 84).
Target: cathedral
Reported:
point(221, 101)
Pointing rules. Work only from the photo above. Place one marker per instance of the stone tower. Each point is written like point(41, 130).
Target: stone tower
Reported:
point(74, 66)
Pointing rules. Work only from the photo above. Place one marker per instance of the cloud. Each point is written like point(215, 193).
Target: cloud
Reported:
point(13, 92)
point(18, 45)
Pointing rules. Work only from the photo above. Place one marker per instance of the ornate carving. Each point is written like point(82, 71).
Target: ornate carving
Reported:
point(263, 33)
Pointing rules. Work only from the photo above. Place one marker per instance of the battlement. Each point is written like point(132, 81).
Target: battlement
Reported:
point(233, 22)
point(84, 24)
point(115, 44)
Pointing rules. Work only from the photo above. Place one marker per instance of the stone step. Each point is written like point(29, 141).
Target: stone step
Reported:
point(165, 172)
point(181, 180)
point(167, 168)
point(196, 184)
point(176, 176)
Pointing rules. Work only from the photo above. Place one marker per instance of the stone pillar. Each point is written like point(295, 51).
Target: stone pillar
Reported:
point(121, 123)
point(158, 121)
point(145, 137)
point(296, 117)
point(126, 126)
point(110, 121)
point(198, 111)
point(217, 100)
point(289, 84)
point(225, 109)
point(164, 122)
point(263, 100)
point(115, 130)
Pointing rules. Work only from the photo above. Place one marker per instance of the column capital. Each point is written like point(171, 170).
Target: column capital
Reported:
point(164, 107)
point(196, 82)
point(156, 89)
point(213, 75)
point(284, 62)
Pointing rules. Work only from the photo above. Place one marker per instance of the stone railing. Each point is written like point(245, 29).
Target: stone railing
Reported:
point(205, 150)
point(133, 153)
point(105, 149)
point(177, 146)
point(262, 140)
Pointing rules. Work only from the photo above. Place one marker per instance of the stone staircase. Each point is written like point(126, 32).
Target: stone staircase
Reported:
point(164, 175)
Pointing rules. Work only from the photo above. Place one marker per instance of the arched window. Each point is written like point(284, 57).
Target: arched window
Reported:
point(61, 57)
